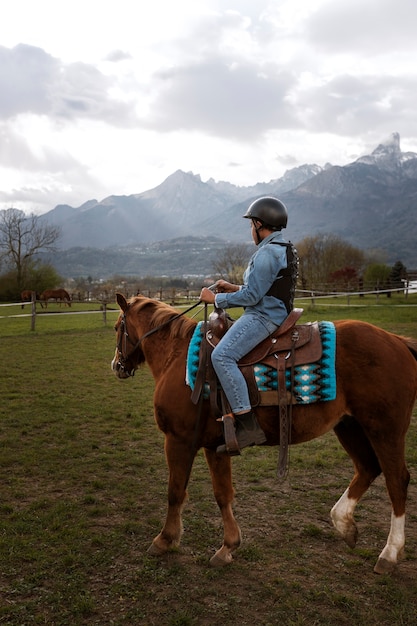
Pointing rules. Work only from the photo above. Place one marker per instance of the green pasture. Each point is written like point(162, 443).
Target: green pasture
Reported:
point(83, 492)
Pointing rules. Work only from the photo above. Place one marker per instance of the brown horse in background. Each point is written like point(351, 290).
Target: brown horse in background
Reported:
point(55, 294)
point(26, 296)
point(376, 373)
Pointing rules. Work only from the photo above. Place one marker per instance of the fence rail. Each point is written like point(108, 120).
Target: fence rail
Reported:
point(181, 298)
point(35, 312)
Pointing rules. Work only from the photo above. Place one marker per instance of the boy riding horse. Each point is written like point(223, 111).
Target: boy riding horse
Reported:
point(267, 296)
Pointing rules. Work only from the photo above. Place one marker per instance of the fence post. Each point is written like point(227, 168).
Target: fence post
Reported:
point(104, 307)
point(33, 316)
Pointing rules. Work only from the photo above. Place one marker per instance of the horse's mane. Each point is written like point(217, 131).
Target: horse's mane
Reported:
point(161, 313)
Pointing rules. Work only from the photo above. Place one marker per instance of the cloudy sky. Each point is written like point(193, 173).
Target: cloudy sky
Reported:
point(100, 97)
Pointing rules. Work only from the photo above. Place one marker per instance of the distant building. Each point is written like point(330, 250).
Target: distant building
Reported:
point(412, 287)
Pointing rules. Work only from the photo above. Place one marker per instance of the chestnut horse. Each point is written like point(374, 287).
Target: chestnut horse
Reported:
point(376, 374)
point(55, 294)
point(26, 296)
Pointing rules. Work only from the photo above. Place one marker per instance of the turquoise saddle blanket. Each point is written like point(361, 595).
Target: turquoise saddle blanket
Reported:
point(313, 382)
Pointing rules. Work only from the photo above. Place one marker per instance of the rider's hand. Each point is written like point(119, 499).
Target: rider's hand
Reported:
point(207, 296)
point(222, 286)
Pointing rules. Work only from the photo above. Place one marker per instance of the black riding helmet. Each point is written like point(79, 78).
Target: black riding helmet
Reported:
point(270, 211)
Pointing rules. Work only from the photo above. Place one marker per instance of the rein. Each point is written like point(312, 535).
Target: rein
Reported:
point(125, 337)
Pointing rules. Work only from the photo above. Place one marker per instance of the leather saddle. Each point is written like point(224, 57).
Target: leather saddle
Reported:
point(290, 345)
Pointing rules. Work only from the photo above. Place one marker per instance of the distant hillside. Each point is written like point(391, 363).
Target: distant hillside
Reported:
point(371, 203)
point(183, 256)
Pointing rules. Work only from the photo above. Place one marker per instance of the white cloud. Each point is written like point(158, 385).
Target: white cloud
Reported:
point(34, 82)
point(224, 100)
point(374, 27)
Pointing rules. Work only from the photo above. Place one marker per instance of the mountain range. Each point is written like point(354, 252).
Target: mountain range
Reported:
point(177, 227)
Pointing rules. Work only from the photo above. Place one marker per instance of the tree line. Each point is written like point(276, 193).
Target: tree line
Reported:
point(326, 263)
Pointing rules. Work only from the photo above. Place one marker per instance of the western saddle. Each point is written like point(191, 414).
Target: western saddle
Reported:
point(290, 345)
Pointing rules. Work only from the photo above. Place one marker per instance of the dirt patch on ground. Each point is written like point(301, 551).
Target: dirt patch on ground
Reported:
point(292, 567)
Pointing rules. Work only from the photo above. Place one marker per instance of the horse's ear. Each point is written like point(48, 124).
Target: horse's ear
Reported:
point(121, 301)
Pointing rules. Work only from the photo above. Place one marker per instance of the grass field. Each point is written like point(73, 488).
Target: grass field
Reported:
point(83, 492)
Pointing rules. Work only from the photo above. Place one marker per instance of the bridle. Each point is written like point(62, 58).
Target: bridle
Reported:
point(124, 339)
point(122, 352)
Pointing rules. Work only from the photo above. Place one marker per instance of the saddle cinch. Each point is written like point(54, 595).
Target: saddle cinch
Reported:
point(290, 345)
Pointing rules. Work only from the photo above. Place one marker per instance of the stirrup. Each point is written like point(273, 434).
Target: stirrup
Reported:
point(231, 445)
point(245, 436)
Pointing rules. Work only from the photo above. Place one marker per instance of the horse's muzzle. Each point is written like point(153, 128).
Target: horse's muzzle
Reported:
point(120, 370)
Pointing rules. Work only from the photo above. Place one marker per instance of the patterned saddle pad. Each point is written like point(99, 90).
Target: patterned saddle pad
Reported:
point(313, 382)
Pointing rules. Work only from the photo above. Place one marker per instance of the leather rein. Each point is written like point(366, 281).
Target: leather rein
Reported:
point(124, 339)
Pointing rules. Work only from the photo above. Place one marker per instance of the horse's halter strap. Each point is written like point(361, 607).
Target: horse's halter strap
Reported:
point(124, 338)
point(122, 346)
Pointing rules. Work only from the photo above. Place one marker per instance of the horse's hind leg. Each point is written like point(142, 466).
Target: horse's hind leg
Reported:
point(221, 476)
point(386, 454)
point(367, 468)
point(180, 458)
point(392, 457)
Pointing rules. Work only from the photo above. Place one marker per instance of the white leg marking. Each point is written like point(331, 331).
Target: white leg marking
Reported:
point(396, 540)
point(342, 518)
point(342, 514)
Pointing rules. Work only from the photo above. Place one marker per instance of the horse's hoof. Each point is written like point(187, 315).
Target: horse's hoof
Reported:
point(384, 567)
point(347, 529)
point(220, 560)
point(153, 550)
point(351, 537)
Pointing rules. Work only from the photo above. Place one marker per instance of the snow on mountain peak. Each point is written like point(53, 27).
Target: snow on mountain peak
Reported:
point(390, 147)
point(387, 155)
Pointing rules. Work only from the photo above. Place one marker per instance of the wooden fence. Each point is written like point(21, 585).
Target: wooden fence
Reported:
point(179, 298)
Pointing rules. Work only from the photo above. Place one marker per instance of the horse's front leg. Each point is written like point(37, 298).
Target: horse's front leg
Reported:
point(180, 457)
point(221, 476)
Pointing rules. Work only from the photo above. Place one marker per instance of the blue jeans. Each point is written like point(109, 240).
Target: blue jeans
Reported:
point(245, 334)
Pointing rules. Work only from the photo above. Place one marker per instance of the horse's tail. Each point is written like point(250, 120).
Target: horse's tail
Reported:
point(411, 345)
point(67, 297)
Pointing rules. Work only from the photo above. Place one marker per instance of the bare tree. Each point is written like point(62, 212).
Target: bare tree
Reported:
point(324, 254)
point(232, 263)
point(22, 237)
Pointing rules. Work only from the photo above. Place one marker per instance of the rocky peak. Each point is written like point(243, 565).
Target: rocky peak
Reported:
point(389, 148)
point(298, 175)
point(386, 156)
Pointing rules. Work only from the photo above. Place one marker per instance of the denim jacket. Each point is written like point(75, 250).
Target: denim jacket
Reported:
point(261, 272)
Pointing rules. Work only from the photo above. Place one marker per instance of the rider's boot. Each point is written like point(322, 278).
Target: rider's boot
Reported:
point(248, 432)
